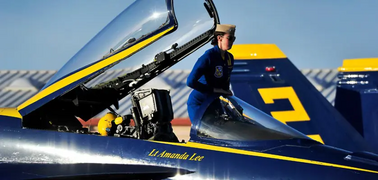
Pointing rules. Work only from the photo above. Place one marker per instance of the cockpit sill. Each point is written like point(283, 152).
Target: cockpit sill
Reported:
point(259, 146)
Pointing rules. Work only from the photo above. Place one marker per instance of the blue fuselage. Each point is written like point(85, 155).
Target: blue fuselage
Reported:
point(286, 159)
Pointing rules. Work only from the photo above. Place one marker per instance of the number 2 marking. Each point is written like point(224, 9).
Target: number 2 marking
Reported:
point(297, 114)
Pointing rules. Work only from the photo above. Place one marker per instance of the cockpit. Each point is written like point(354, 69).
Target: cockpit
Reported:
point(148, 37)
point(224, 120)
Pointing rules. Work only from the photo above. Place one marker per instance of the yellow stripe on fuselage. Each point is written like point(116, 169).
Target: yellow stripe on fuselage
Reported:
point(91, 69)
point(256, 51)
point(259, 154)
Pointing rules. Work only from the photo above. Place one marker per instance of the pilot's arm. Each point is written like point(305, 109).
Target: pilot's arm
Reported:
point(226, 88)
point(198, 71)
point(230, 68)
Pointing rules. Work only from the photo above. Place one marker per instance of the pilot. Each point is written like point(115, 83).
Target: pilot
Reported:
point(211, 73)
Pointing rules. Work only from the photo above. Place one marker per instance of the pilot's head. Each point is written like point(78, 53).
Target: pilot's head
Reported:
point(224, 36)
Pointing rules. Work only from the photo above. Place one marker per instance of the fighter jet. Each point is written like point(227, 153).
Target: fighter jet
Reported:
point(43, 138)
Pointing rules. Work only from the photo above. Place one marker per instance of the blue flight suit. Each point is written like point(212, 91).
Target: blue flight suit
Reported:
point(210, 71)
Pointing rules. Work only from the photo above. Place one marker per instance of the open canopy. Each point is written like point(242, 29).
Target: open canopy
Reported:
point(132, 37)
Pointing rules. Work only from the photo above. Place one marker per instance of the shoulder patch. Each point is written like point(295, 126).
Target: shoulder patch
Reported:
point(218, 71)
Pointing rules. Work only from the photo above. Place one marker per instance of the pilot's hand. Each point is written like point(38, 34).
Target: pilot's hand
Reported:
point(222, 91)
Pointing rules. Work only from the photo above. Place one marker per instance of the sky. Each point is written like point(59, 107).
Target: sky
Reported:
point(45, 34)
